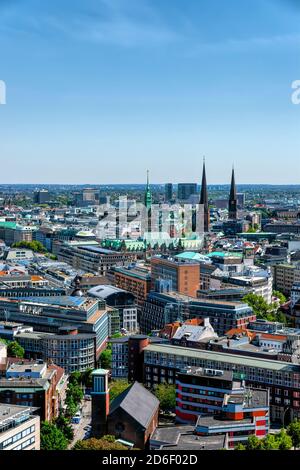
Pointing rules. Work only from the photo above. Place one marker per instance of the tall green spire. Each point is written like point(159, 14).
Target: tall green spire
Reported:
point(148, 195)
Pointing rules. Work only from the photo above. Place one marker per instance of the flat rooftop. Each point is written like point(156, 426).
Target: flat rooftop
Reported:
point(183, 438)
point(9, 412)
point(223, 357)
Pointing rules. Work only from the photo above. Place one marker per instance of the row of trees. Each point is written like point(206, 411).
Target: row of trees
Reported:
point(34, 245)
point(284, 440)
point(107, 442)
point(58, 434)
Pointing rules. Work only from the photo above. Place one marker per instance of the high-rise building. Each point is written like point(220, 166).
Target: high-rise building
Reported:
point(185, 190)
point(41, 196)
point(168, 192)
point(232, 206)
point(204, 200)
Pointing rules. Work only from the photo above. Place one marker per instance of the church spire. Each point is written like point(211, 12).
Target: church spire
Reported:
point(148, 195)
point(232, 207)
point(204, 199)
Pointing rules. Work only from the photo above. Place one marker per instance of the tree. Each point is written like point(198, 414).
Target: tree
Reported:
point(63, 423)
point(270, 442)
point(116, 387)
point(240, 446)
point(105, 443)
point(166, 394)
point(264, 310)
point(33, 245)
point(285, 441)
point(105, 358)
point(75, 378)
point(14, 349)
point(254, 443)
point(52, 438)
point(279, 295)
point(293, 431)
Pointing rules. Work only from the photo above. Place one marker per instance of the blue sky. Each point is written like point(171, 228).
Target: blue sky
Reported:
point(100, 90)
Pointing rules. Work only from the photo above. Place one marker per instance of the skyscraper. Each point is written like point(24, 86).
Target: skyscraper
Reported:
point(232, 206)
point(168, 192)
point(204, 199)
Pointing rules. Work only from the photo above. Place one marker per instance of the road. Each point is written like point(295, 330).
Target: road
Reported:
point(86, 419)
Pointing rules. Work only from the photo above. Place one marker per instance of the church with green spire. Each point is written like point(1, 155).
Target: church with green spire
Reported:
point(148, 195)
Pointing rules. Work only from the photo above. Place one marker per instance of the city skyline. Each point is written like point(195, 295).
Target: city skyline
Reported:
point(112, 87)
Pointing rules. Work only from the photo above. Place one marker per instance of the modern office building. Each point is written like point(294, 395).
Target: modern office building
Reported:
point(49, 314)
point(219, 401)
point(161, 308)
point(19, 428)
point(41, 196)
point(91, 257)
point(168, 192)
point(121, 300)
point(162, 362)
point(185, 190)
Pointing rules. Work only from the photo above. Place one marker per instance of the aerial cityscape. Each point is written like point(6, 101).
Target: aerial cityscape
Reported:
point(149, 243)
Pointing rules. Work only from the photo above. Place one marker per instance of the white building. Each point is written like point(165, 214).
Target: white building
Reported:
point(19, 428)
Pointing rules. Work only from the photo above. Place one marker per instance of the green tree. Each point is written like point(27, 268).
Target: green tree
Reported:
point(116, 387)
point(166, 394)
point(52, 438)
point(254, 443)
point(270, 442)
point(33, 245)
point(293, 431)
point(75, 378)
point(105, 358)
point(14, 349)
point(105, 443)
point(285, 441)
point(63, 423)
point(282, 298)
point(240, 446)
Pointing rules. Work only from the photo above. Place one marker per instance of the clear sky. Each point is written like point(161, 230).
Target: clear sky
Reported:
point(100, 90)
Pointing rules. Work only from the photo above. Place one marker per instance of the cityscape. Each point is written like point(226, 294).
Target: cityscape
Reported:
point(149, 303)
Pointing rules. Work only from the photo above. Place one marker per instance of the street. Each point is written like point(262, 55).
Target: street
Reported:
point(78, 429)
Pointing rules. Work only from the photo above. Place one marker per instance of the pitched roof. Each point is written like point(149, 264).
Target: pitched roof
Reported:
point(138, 402)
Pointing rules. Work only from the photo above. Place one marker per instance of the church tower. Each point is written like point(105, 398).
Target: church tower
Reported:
point(232, 205)
point(204, 199)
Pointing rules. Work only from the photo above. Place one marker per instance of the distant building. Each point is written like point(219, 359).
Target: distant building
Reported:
point(185, 190)
point(41, 197)
point(168, 192)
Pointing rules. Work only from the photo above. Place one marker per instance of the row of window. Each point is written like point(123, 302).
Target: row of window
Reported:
point(18, 436)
